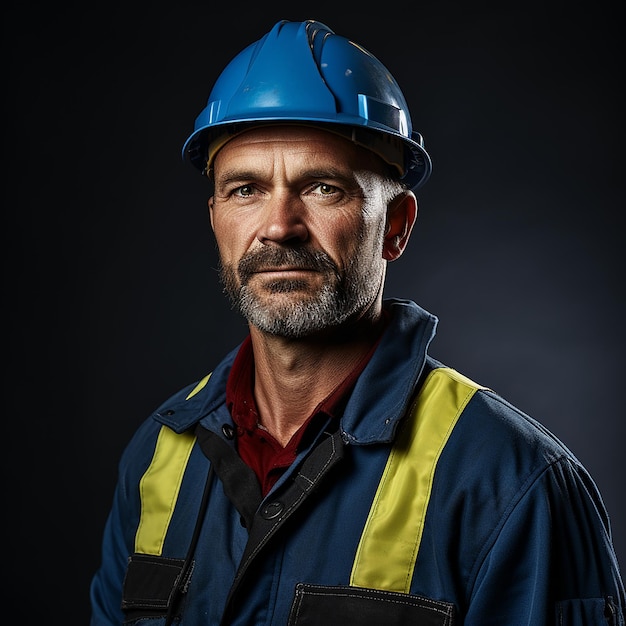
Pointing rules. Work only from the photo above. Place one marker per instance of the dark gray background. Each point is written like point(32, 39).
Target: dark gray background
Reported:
point(111, 296)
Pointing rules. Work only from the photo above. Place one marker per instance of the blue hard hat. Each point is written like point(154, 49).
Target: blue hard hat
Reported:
point(302, 72)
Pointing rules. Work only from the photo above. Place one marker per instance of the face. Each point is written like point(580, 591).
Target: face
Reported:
point(299, 215)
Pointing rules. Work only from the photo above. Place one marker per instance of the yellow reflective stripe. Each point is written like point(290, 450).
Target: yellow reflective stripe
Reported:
point(388, 548)
point(159, 488)
point(199, 386)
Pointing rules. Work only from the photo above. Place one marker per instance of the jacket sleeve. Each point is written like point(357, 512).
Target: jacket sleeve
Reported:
point(551, 560)
point(120, 528)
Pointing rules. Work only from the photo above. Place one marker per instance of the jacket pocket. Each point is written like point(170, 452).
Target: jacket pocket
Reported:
point(316, 605)
point(150, 586)
point(579, 612)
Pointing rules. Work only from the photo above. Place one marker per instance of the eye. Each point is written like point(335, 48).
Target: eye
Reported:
point(245, 191)
point(324, 189)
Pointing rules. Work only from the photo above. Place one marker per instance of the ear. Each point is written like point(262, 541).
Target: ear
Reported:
point(401, 216)
point(210, 205)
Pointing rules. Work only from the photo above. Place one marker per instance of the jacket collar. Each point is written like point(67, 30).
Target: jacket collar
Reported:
point(379, 400)
point(388, 384)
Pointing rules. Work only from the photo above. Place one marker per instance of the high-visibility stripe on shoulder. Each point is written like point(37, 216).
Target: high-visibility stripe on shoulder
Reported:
point(199, 386)
point(388, 548)
point(159, 488)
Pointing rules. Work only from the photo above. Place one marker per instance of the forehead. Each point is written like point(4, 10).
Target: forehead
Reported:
point(296, 139)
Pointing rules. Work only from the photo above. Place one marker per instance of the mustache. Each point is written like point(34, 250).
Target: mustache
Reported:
point(268, 258)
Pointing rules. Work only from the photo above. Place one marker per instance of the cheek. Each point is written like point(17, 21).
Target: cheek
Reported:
point(230, 238)
point(336, 237)
point(364, 239)
point(360, 244)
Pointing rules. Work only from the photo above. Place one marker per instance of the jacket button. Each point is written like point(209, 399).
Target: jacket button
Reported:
point(272, 510)
point(228, 431)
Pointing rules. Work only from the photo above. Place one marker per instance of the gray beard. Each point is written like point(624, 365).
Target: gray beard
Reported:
point(341, 295)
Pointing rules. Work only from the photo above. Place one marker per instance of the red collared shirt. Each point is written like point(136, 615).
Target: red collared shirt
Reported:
point(255, 445)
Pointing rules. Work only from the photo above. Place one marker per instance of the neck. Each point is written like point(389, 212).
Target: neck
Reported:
point(292, 376)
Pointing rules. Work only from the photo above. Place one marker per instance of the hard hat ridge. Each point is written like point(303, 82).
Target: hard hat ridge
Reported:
point(302, 72)
point(297, 90)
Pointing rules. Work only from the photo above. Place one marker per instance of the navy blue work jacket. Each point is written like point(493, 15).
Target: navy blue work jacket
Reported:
point(435, 503)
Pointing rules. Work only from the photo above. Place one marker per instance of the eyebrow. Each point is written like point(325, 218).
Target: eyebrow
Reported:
point(233, 175)
point(328, 173)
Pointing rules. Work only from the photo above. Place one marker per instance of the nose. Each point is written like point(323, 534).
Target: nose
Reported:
point(283, 220)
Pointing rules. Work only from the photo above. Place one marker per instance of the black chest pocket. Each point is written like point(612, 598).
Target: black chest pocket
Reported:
point(316, 605)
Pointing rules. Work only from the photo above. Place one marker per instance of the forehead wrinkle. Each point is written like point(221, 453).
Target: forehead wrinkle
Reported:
point(293, 171)
point(234, 174)
point(291, 138)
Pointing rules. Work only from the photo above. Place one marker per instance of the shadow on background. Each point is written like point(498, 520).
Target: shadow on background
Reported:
point(111, 293)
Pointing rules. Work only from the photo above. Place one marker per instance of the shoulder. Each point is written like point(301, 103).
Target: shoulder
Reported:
point(179, 413)
point(488, 426)
point(493, 447)
point(501, 469)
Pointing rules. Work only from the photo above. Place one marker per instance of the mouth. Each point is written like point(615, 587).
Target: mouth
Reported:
point(288, 264)
point(287, 270)
point(283, 280)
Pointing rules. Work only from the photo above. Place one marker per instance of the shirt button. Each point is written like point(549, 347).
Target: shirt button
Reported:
point(228, 431)
point(272, 510)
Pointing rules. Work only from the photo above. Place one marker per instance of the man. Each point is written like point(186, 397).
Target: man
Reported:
point(329, 470)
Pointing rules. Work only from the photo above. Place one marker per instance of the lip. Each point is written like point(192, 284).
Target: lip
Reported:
point(285, 274)
point(284, 270)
